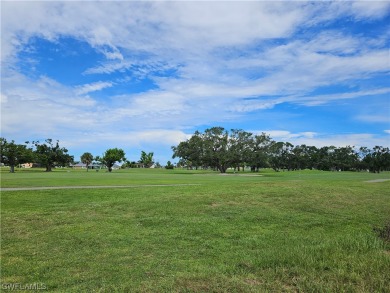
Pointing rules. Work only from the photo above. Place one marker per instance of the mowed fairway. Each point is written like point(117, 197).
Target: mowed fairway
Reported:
point(304, 231)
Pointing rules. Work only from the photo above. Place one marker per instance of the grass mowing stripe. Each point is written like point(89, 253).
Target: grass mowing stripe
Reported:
point(94, 187)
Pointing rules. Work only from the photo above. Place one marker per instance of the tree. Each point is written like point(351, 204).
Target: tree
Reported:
point(111, 156)
point(191, 151)
point(240, 147)
point(311, 154)
point(281, 156)
point(325, 158)
point(87, 159)
point(345, 159)
point(13, 154)
point(169, 165)
point(50, 155)
point(219, 149)
point(216, 148)
point(259, 154)
point(299, 157)
point(146, 159)
point(377, 159)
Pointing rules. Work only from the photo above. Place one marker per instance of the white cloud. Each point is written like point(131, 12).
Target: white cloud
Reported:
point(112, 53)
point(322, 99)
point(3, 98)
point(149, 25)
point(129, 138)
point(41, 107)
point(374, 118)
point(188, 35)
point(92, 87)
point(342, 140)
point(229, 58)
point(284, 135)
point(311, 138)
point(158, 136)
point(370, 9)
point(310, 100)
point(364, 11)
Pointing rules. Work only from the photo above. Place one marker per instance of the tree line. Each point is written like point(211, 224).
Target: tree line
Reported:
point(220, 149)
point(215, 148)
point(50, 154)
point(47, 154)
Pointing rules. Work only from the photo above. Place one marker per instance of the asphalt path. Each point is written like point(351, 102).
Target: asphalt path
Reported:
point(92, 187)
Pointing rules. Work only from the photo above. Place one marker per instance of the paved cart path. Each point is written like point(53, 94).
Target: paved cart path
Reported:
point(93, 187)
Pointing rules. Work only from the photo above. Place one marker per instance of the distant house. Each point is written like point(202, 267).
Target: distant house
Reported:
point(137, 165)
point(84, 166)
point(79, 166)
point(116, 167)
point(27, 165)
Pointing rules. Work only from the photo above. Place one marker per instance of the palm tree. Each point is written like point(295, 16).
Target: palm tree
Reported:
point(87, 159)
point(146, 159)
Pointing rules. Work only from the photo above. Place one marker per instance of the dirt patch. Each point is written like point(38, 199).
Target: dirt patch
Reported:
point(253, 282)
point(214, 204)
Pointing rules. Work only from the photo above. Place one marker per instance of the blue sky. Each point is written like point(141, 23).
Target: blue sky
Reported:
point(146, 75)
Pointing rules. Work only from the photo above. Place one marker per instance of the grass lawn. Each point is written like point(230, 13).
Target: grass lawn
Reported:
point(306, 231)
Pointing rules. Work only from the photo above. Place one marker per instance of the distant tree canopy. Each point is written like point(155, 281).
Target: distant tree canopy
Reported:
point(47, 154)
point(215, 148)
point(169, 166)
point(50, 154)
point(14, 154)
point(146, 159)
point(111, 156)
point(220, 149)
point(87, 159)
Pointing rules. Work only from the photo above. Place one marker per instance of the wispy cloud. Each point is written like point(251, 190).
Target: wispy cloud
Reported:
point(310, 100)
point(46, 106)
point(374, 118)
point(92, 87)
point(205, 63)
point(323, 99)
point(3, 98)
point(327, 139)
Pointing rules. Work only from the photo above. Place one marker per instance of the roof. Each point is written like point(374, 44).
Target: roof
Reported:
point(82, 165)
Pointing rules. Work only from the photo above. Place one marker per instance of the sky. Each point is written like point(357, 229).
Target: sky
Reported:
point(146, 75)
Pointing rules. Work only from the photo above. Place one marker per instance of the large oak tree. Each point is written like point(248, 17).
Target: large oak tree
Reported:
point(50, 154)
point(13, 154)
point(111, 156)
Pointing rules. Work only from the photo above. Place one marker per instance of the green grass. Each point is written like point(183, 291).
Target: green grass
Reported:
point(303, 231)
